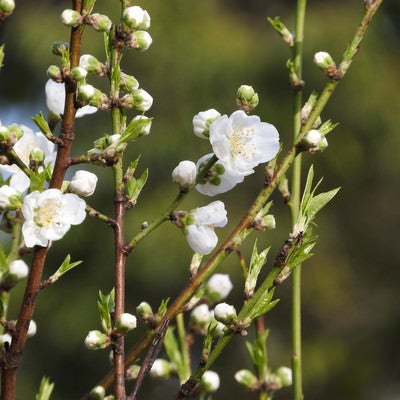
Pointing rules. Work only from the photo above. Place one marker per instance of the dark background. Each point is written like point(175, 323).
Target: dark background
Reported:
point(202, 51)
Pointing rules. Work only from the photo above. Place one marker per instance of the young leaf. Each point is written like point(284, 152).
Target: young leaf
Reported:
point(64, 268)
point(135, 186)
point(105, 306)
point(45, 389)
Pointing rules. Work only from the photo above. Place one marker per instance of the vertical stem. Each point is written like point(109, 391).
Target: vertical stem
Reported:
point(295, 202)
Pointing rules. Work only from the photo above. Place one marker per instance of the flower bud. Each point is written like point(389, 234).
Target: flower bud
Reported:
point(36, 156)
point(225, 313)
point(32, 329)
point(139, 40)
point(83, 183)
point(96, 340)
point(125, 323)
point(285, 375)
point(128, 83)
point(161, 368)
point(246, 378)
point(132, 372)
point(210, 381)
point(184, 174)
point(144, 311)
point(16, 132)
point(54, 72)
point(59, 47)
point(10, 198)
point(91, 64)
point(18, 269)
point(99, 22)
point(324, 60)
point(5, 340)
point(200, 317)
point(218, 287)
point(139, 99)
point(7, 6)
point(79, 74)
point(145, 124)
point(97, 393)
point(202, 122)
point(136, 18)
point(246, 98)
point(71, 18)
point(88, 94)
point(5, 134)
point(323, 144)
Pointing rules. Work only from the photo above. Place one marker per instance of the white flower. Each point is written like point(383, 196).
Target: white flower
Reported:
point(49, 215)
point(200, 234)
point(55, 100)
point(210, 381)
point(184, 174)
point(225, 313)
point(19, 269)
point(217, 180)
point(202, 121)
point(7, 195)
point(218, 287)
point(83, 183)
point(241, 142)
point(30, 141)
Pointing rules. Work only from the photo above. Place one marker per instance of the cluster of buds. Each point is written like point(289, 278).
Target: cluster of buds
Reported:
point(246, 98)
point(99, 22)
point(272, 382)
point(133, 31)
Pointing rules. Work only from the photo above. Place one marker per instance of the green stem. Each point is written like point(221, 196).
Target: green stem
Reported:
point(295, 202)
point(180, 326)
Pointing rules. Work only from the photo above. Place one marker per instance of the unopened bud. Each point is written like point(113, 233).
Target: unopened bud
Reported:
point(128, 83)
point(97, 393)
point(246, 98)
point(99, 22)
point(218, 287)
point(18, 269)
point(54, 72)
point(161, 368)
point(144, 311)
point(91, 64)
point(125, 323)
point(324, 60)
point(132, 372)
point(96, 340)
point(139, 99)
point(225, 313)
point(200, 317)
point(7, 6)
point(79, 74)
point(88, 94)
point(32, 329)
point(202, 122)
point(140, 40)
point(83, 183)
point(210, 381)
point(184, 174)
point(246, 378)
point(285, 376)
point(136, 18)
point(71, 18)
point(58, 48)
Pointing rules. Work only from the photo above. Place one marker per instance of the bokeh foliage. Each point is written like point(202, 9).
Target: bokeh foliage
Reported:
point(202, 51)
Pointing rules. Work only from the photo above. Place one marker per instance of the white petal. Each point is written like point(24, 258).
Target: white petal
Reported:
point(201, 239)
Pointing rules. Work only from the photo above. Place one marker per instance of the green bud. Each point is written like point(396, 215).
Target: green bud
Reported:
point(88, 94)
point(246, 378)
point(285, 376)
point(99, 22)
point(136, 18)
point(7, 6)
point(210, 381)
point(324, 60)
point(161, 368)
point(97, 393)
point(225, 313)
point(132, 372)
point(144, 311)
point(246, 98)
point(96, 340)
point(5, 134)
point(36, 155)
point(71, 18)
point(54, 72)
point(128, 83)
point(92, 64)
point(59, 48)
point(79, 74)
point(140, 40)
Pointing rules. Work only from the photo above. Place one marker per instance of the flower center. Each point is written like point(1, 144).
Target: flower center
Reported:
point(239, 143)
point(46, 215)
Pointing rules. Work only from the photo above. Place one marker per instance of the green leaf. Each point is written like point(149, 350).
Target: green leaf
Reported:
point(163, 307)
point(258, 305)
point(3, 263)
point(258, 351)
point(257, 261)
point(45, 389)
point(318, 202)
point(64, 268)
point(135, 186)
point(174, 354)
point(106, 305)
point(42, 124)
point(135, 129)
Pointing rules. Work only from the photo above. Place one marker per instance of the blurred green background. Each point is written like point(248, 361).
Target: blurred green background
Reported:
point(202, 52)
